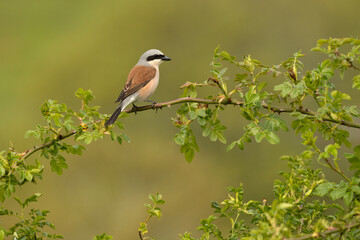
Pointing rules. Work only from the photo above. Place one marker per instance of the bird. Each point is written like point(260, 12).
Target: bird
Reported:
point(141, 83)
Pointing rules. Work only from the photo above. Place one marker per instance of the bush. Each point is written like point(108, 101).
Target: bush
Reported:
point(306, 204)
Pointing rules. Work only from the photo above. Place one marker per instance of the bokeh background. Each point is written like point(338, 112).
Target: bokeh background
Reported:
point(48, 49)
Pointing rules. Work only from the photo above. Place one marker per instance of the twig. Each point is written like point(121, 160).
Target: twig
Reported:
point(351, 64)
point(220, 85)
point(28, 152)
point(336, 170)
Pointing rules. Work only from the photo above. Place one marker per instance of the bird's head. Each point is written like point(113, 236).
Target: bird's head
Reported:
point(153, 57)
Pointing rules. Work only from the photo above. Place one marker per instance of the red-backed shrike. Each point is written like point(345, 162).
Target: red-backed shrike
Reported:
point(142, 81)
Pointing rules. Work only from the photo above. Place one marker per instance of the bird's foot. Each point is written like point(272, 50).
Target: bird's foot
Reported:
point(153, 103)
point(134, 108)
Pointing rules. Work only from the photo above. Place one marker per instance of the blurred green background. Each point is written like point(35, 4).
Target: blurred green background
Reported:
point(50, 48)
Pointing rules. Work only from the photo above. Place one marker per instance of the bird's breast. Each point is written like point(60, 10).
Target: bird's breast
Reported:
point(149, 88)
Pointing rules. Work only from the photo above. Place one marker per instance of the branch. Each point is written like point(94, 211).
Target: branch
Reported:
point(336, 170)
point(178, 101)
point(325, 233)
point(29, 152)
point(230, 102)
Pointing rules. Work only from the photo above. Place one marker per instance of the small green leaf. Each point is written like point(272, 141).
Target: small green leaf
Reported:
point(259, 136)
point(231, 146)
point(221, 137)
point(201, 112)
point(272, 138)
point(2, 171)
point(241, 145)
point(348, 197)
point(337, 193)
point(192, 115)
point(323, 189)
point(180, 139)
point(261, 86)
point(225, 55)
point(332, 149)
point(284, 205)
point(125, 137)
point(28, 176)
point(356, 82)
point(2, 235)
point(143, 228)
point(189, 155)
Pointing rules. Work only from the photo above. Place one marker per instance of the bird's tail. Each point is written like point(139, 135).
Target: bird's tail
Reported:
point(114, 116)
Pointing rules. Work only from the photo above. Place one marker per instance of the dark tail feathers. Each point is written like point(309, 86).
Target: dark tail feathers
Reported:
point(113, 117)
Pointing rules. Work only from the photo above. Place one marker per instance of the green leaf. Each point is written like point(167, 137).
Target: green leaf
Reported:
point(192, 115)
point(125, 137)
point(189, 155)
point(285, 88)
point(332, 149)
point(28, 176)
point(240, 77)
point(259, 136)
point(285, 205)
point(18, 201)
point(221, 137)
point(180, 138)
point(241, 145)
point(348, 197)
point(2, 235)
point(32, 198)
point(120, 125)
point(2, 171)
point(231, 146)
point(103, 236)
point(201, 112)
point(272, 138)
point(225, 55)
point(337, 193)
point(355, 189)
point(356, 82)
point(323, 189)
point(118, 138)
point(143, 228)
point(261, 86)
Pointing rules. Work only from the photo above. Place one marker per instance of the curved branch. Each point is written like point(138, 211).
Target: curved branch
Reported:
point(29, 152)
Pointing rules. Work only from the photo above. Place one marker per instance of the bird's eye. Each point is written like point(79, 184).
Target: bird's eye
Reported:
point(155, 56)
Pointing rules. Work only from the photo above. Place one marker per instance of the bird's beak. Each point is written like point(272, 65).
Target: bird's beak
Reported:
point(165, 58)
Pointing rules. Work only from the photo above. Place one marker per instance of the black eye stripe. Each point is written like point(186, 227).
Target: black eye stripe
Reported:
point(155, 56)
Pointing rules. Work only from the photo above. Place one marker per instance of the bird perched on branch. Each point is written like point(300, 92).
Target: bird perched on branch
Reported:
point(142, 81)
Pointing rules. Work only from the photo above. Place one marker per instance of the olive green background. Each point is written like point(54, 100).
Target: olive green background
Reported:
point(50, 48)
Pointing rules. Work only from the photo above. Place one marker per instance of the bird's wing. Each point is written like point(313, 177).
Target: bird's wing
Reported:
point(138, 77)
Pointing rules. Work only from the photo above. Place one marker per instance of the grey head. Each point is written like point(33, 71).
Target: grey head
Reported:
point(152, 57)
